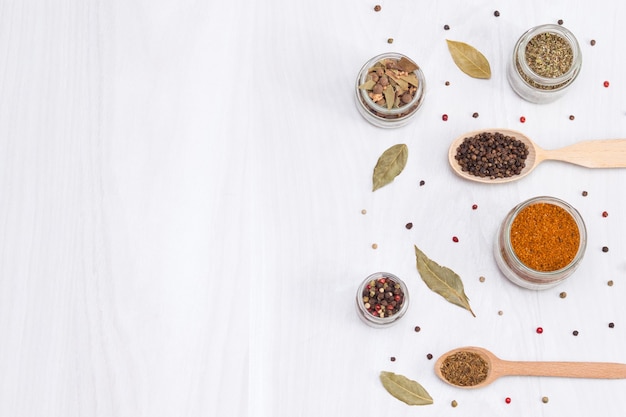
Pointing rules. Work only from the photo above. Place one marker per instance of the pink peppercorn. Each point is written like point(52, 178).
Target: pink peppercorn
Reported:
point(474, 206)
point(522, 119)
point(606, 84)
point(507, 400)
point(539, 330)
point(455, 239)
point(605, 214)
point(444, 117)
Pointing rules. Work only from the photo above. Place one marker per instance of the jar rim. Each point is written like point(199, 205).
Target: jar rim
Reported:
point(546, 276)
point(407, 108)
point(561, 81)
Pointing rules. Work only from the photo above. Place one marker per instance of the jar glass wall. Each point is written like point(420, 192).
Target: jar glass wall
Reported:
point(545, 62)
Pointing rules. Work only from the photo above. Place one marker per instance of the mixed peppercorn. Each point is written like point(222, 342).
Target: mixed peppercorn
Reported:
point(383, 297)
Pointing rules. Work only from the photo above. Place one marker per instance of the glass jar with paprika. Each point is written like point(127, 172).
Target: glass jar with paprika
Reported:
point(540, 243)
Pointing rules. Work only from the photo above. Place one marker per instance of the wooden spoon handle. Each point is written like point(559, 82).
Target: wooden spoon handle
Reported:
point(608, 153)
point(605, 370)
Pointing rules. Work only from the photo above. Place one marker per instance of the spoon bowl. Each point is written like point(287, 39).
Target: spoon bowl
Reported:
point(498, 368)
point(606, 153)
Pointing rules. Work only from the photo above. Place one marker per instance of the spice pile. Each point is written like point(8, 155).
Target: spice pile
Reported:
point(492, 155)
point(464, 369)
point(549, 55)
point(545, 237)
point(383, 297)
point(391, 83)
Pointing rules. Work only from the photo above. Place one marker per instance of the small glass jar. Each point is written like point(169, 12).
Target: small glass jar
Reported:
point(382, 116)
point(544, 80)
point(517, 271)
point(376, 313)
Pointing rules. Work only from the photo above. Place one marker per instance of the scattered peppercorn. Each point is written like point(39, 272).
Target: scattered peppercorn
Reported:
point(446, 27)
point(447, 83)
point(491, 155)
point(444, 117)
point(605, 214)
point(563, 294)
point(522, 119)
point(429, 356)
point(392, 359)
point(605, 249)
point(611, 325)
point(455, 239)
point(374, 246)
point(610, 283)
point(496, 13)
point(417, 329)
point(560, 22)
point(377, 8)
point(481, 279)
point(500, 312)
point(606, 84)
point(363, 211)
point(575, 332)
point(454, 403)
point(475, 115)
point(474, 206)
point(507, 400)
point(571, 117)
point(390, 40)
point(409, 226)
point(422, 182)
point(585, 193)
point(544, 400)
point(593, 42)
point(539, 330)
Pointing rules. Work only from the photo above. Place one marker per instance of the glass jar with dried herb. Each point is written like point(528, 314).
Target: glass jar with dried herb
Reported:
point(540, 242)
point(382, 299)
point(545, 62)
point(389, 90)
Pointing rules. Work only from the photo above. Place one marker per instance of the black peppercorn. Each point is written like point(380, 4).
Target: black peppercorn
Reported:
point(611, 325)
point(575, 332)
point(446, 27)
point(429, 356)
point(496, 13)
point(417, 328)
point(409, 225)
point(422, 182)
point(605, 248)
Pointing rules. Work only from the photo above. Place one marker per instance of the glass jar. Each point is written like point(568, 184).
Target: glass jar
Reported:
point(375, 312)
point(547, 78)
point(382, 116)
point(552, 222)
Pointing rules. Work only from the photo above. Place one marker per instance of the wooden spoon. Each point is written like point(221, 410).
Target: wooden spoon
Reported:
point(608, 153)
point(499, 367)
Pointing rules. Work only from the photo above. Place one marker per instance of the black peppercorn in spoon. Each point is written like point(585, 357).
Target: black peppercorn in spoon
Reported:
point(607, 153)
point(496, 367)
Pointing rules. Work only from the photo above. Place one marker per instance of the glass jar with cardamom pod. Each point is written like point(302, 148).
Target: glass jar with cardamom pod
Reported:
point(382, 299)
point(389, 90)
point(545, 62)
point(540, 243)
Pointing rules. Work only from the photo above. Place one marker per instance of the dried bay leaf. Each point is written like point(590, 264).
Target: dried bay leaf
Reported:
point(390, 164)
point(390, 95)
point(442, 280)
point(368, 85)
point(469, 59)
point(405, 389)
point(407, 65)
